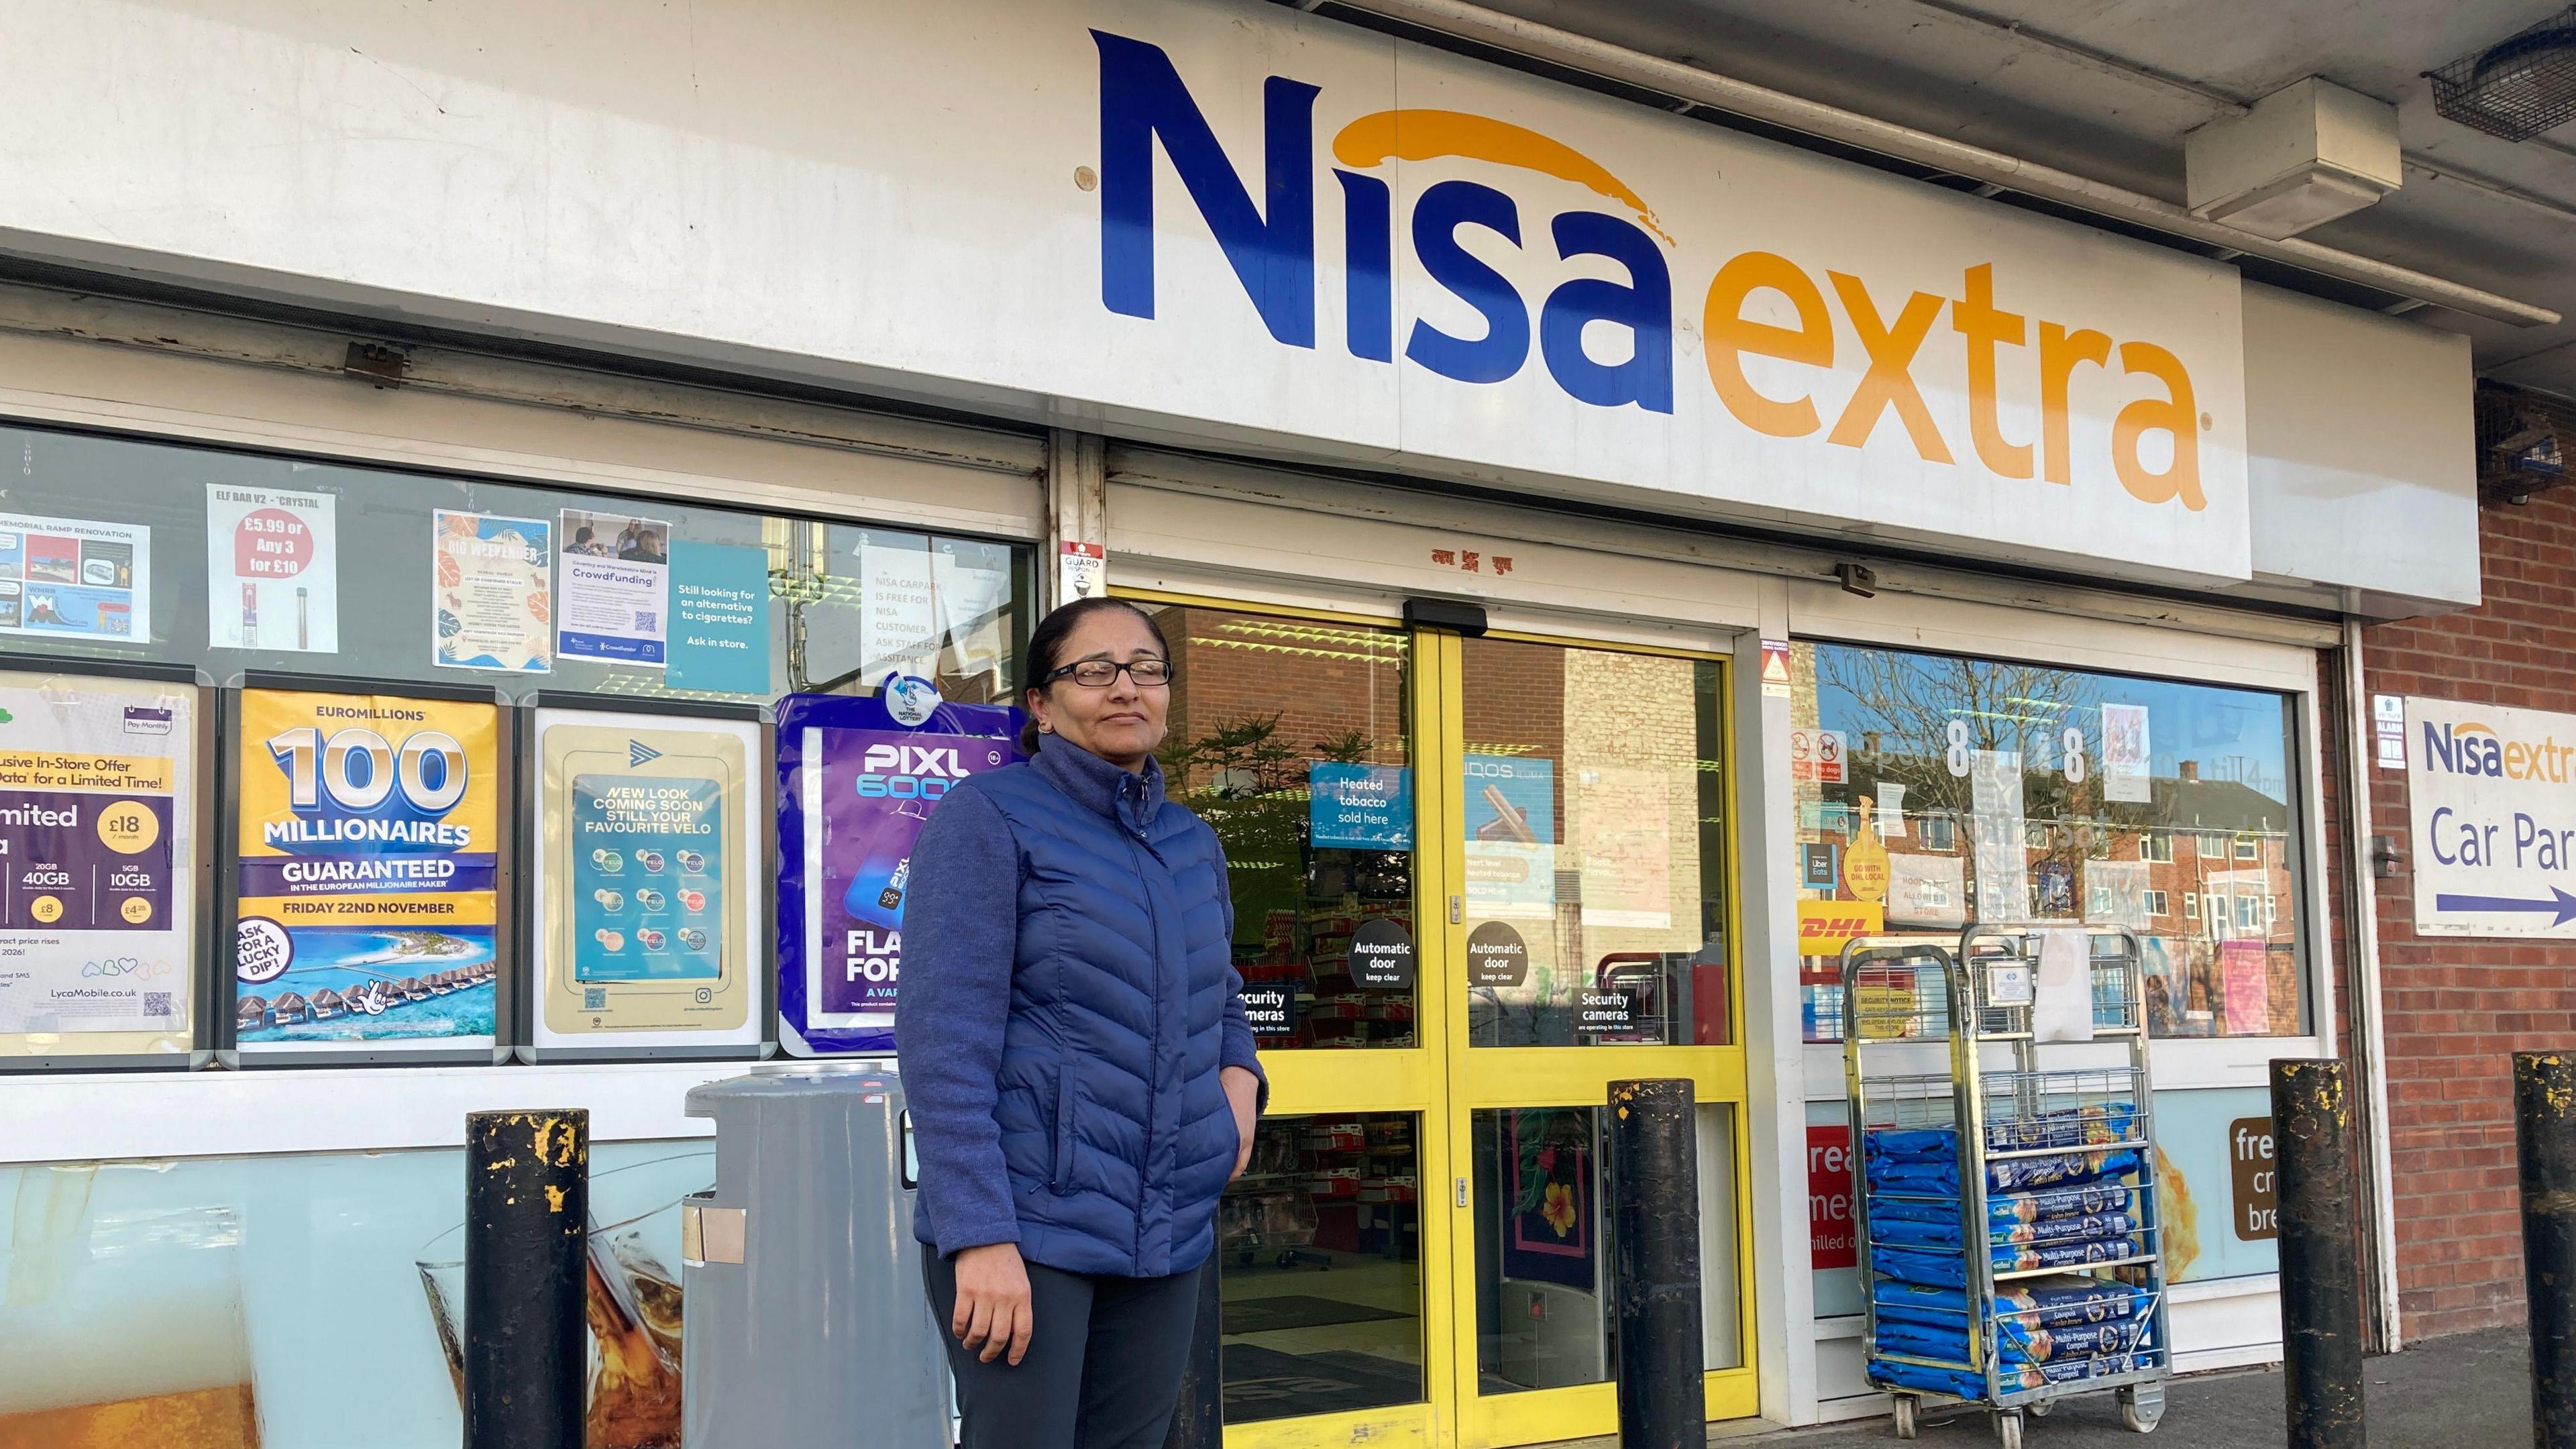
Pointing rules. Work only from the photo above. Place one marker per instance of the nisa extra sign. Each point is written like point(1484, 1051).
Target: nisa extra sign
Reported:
point(1562, 262)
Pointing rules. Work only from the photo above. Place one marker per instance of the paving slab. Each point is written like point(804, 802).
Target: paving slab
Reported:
point(2466, 1391)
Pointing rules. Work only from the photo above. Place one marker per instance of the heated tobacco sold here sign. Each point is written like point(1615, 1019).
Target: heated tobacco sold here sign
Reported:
point(2493, 795)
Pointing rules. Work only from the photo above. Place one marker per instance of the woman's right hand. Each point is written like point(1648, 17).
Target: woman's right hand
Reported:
point(993, 1313)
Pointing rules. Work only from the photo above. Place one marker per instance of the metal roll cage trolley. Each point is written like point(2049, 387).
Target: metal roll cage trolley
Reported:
point(2010, 1244)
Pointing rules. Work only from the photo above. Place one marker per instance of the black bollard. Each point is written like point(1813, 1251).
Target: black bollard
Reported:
point(1198, 1421)
point(527, 1242)
point(1654, 1265)
point(2544, 1131)
point(2320, 1255)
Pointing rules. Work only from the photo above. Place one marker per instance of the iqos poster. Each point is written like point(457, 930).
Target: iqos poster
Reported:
point(97, 864)
point(648, 876)
point(368, 870)
point(854, 786)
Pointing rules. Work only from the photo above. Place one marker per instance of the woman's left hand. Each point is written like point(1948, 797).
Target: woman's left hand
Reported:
point(1242, 1092)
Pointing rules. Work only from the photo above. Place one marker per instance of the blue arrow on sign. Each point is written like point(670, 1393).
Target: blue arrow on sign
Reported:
point(2563, 907)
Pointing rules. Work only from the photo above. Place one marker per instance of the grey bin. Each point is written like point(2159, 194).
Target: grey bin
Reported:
point(804, 1324)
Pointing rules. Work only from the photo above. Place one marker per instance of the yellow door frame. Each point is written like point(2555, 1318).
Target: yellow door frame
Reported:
point(1443, 1086)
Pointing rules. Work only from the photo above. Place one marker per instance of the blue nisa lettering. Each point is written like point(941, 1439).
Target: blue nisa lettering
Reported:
point(1505, 346)
point(2437, 747)
point(1644, 307)
point(1271, 248)
point(1272, 251)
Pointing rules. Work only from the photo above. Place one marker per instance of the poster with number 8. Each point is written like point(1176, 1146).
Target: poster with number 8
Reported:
point(366, 896)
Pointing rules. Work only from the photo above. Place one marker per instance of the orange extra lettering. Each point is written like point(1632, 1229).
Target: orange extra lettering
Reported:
point(2176, 413)
point(2059, 351)
point(1727, 334)
point(1974, 317)
point(1890, 379)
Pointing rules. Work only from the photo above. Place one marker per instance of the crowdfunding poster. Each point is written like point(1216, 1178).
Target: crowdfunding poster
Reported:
point(368, 873)
point(97, 865)
point(855, 784)
point(649, 886)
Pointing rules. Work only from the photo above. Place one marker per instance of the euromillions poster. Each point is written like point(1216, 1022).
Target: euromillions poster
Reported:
point(649, 886)
point(97, 864)
point(855, 782)
point(369, 840)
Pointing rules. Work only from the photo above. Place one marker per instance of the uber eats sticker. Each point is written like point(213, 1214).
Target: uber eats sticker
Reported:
point(97, 857)
point(2492, 796)
point(647, 876)
point(369, 839)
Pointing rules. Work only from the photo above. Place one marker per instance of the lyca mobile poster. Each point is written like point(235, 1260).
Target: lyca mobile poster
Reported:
point(97, 861)
point(368, 864)
point(648, 868)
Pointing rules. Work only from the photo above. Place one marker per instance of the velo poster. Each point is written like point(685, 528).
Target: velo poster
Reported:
point(369, 871)
point(97, 864)
point(649, 886)
point(854, 786)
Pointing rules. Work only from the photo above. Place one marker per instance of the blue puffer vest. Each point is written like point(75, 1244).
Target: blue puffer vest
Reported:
point(1114, 1125)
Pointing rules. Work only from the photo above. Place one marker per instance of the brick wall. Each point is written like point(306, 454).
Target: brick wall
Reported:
point(2456, 1009)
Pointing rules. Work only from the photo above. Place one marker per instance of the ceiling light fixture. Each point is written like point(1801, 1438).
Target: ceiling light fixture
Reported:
point(2516, 88)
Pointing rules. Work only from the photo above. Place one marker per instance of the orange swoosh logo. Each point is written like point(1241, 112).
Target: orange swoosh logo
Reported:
point(1421, 135)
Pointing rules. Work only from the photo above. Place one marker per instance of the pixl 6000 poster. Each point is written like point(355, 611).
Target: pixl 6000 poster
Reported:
point(369, 862)
point(650, 890)
point(855, 785)
point(97, 864)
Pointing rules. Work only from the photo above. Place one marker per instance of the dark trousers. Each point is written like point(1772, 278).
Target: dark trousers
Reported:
point(1103, 1369)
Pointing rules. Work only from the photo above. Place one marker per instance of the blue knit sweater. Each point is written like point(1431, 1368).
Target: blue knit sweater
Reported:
point(1068, 999)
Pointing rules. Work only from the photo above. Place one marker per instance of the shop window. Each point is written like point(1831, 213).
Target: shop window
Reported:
point(392, 629)
point(243, 562)
point(2073, 787)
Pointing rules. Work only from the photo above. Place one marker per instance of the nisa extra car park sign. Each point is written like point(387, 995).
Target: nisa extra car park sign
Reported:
point(2492, 795)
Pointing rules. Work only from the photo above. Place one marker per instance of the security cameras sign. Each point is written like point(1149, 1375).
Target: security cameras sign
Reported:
point(2492, 793)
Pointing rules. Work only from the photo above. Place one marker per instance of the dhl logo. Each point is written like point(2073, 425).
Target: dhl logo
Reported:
point(1825, 927)
point(1271, 248)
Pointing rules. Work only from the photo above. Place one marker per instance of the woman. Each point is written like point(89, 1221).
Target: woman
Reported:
point(1081, 1077)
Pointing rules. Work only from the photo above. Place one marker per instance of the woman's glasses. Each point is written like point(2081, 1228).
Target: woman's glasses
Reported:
point(1101, 673)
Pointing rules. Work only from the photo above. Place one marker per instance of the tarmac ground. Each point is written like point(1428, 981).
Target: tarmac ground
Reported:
point(2467, 1391)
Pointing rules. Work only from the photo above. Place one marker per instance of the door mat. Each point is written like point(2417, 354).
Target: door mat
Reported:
point(1263, 1383)
point(1298, 1310)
